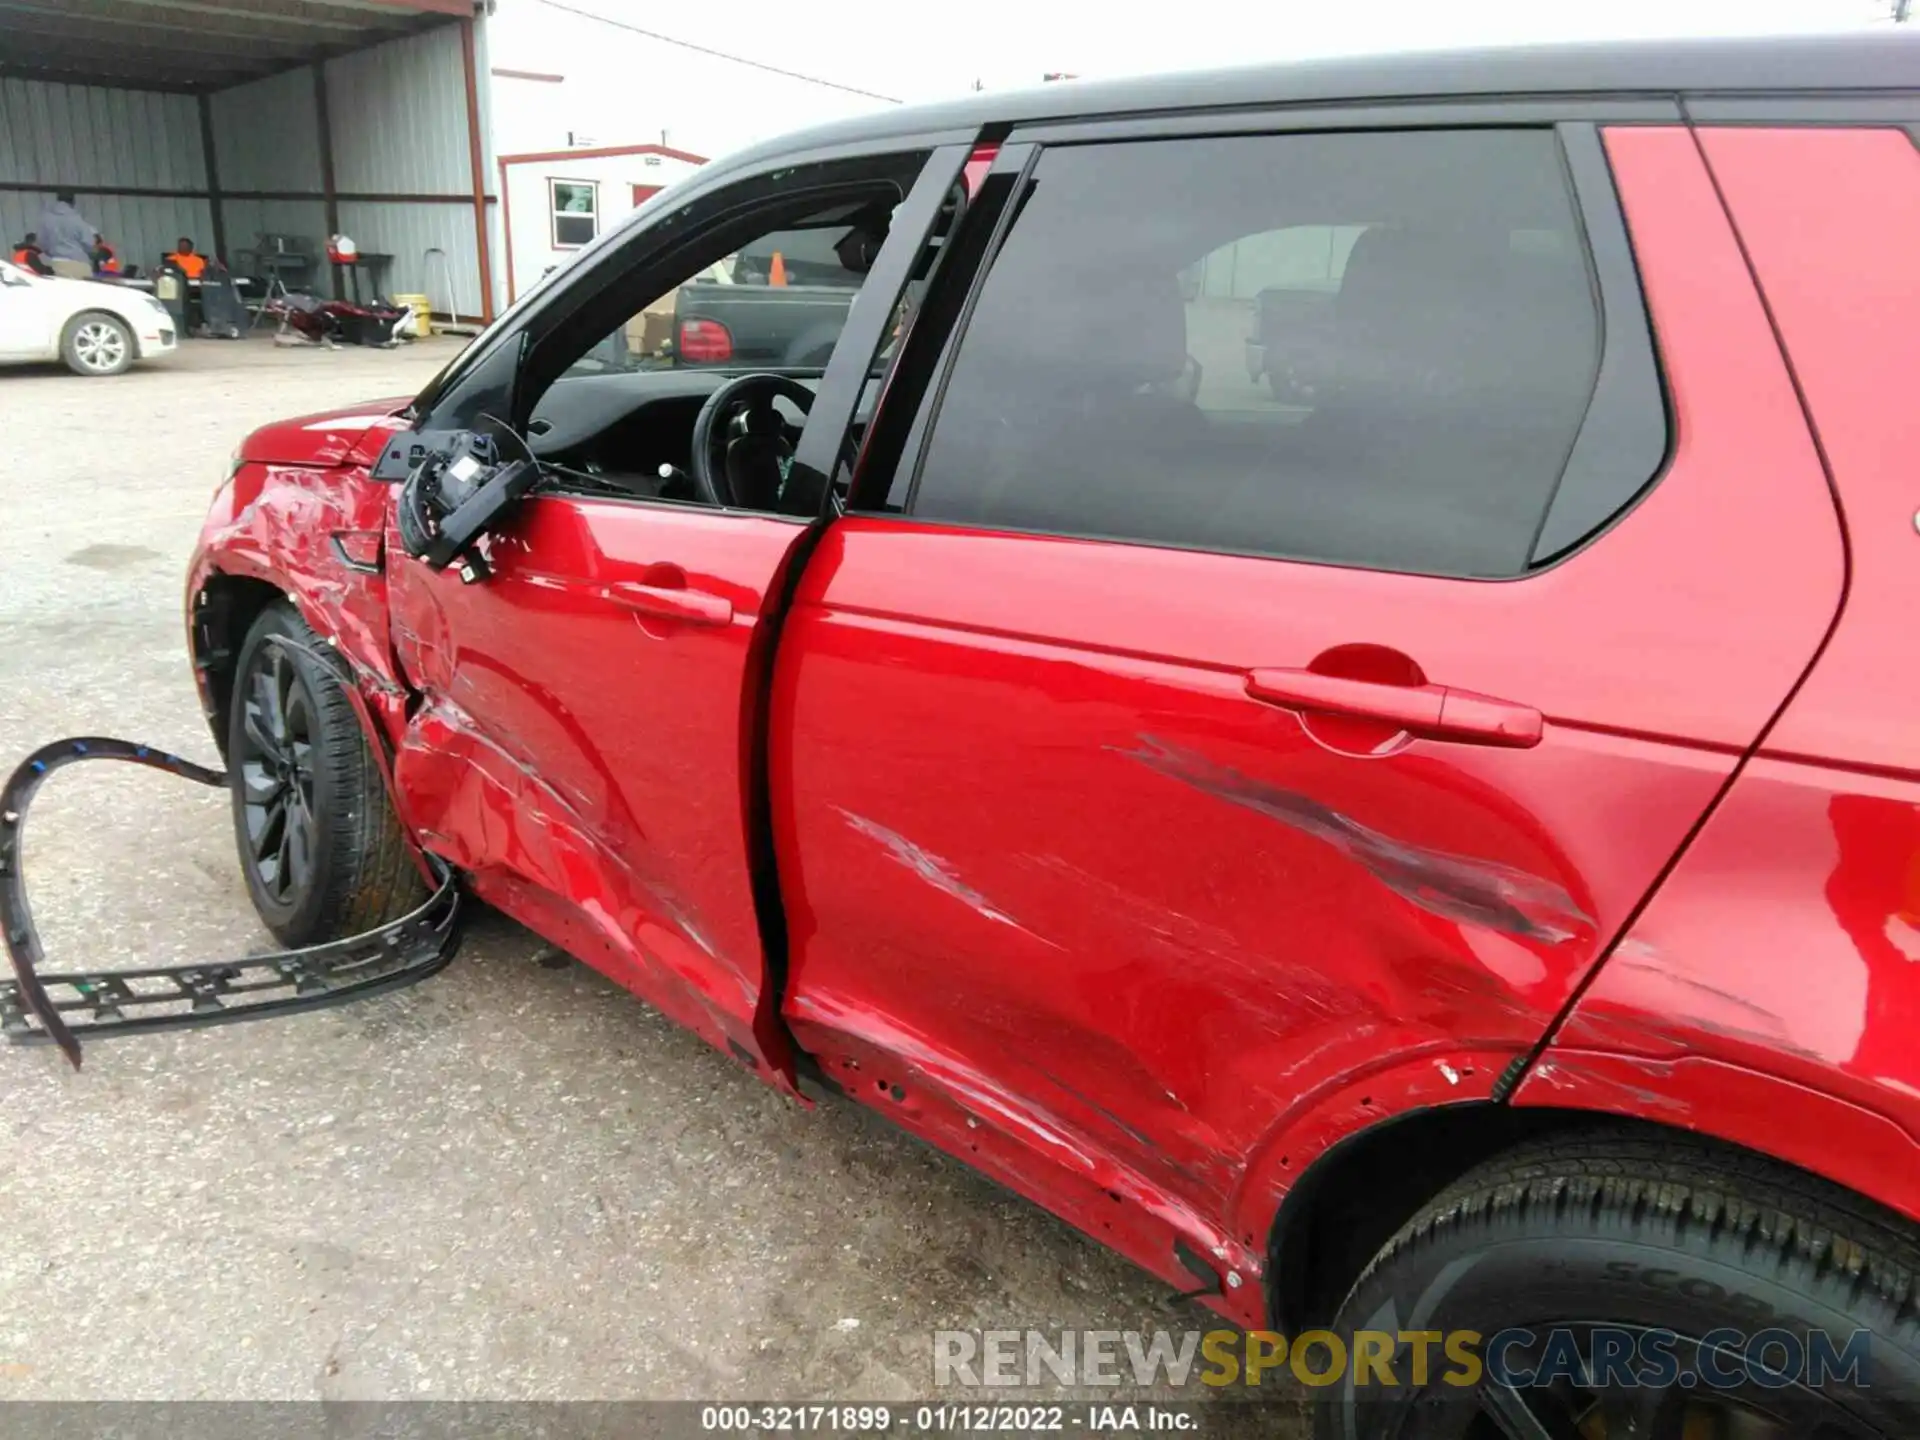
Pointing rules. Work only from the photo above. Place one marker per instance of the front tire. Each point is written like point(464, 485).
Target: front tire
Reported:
point(1617, 1236)
point(97, 343)
point(324, 855)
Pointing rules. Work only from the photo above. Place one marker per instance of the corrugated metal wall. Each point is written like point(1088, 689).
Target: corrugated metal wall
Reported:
point(407, 232)
point(266, 136)
point(496, 221)
point(84, 135)
point(90, 138)
point(398, 116)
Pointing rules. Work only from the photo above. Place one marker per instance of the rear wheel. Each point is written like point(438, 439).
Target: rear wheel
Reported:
point(323, 852)
point(96, 343)
point(1648, 1289)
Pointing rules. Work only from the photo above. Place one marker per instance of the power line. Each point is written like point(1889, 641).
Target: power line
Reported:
point(722, 54)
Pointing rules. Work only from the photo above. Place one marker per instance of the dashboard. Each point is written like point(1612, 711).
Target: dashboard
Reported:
point(621, 428)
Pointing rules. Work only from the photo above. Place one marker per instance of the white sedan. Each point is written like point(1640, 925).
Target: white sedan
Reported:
point(96, 328)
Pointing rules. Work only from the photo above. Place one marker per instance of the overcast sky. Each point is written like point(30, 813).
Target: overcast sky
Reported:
point(623, 88)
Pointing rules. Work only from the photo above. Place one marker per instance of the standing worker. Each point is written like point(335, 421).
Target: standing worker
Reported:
point(66, 237)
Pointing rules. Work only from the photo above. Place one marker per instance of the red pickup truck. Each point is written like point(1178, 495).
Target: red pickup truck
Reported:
point(1435, 849)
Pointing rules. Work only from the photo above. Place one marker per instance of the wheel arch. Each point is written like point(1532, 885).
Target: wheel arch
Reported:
point(1353, 1198)
point(1790, 1122)
point(78, 317)
point(221, 612)
point(1359, 1192)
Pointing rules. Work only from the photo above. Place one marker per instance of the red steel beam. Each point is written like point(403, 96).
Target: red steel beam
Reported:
point(476, 152)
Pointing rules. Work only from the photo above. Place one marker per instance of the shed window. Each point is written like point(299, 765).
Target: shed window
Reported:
point(576, 212)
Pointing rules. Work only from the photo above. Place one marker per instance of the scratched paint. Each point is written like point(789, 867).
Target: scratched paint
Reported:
point(1253, 978)
point(1133, 1133)
point(934, 870)
point(936, 1072)
point(1456, 887)
point(1565, 1075)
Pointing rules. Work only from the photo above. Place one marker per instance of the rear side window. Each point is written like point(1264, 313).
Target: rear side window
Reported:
point(1370, 348)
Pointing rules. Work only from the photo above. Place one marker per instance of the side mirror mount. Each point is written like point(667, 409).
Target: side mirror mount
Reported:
point(859, 248)
point(455, 495)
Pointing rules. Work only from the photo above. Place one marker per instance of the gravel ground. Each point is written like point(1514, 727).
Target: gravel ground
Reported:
point(511, 1182)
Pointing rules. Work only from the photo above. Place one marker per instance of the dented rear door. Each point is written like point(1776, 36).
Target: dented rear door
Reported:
point(1123, 844)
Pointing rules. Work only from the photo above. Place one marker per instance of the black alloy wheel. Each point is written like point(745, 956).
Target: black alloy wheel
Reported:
point(1625, 1282)
point(275, 762)
point(1745, 1402)
point(324, 855)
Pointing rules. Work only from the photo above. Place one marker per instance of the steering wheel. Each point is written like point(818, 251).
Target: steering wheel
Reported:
point(739, 441)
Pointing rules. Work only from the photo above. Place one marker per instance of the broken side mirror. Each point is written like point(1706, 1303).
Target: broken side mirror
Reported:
point(456, 494)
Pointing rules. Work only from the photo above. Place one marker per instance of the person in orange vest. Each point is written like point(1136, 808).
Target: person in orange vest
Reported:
point(105, 260)
point(191, 263)
point(28, 257)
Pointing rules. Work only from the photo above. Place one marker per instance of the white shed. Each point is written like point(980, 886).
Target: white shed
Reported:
point(554, 201)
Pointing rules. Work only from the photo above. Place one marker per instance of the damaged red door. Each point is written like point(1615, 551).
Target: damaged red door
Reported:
point(580, 749)
point(587, 746)
point(1158, 868)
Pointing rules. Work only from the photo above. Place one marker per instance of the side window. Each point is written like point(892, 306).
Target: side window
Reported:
point(778, 302)
point(1366, 348)
point(576, 212)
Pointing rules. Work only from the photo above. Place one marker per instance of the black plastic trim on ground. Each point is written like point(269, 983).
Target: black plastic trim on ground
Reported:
point(40, 1009)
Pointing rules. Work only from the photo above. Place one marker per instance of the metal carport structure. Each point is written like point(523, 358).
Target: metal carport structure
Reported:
point(231, 119)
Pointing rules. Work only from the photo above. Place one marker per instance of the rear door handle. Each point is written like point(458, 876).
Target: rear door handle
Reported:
point(673, 602)
point(1435, 712)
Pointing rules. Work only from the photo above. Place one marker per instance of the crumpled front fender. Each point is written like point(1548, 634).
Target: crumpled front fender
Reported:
point(313, 534)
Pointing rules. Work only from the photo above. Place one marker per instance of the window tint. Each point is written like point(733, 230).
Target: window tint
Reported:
point(1366, 348)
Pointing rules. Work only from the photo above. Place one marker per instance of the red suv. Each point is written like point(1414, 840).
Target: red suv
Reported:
point(1431, 846)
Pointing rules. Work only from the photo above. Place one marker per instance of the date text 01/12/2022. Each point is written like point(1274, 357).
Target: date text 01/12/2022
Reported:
point(943, 1418)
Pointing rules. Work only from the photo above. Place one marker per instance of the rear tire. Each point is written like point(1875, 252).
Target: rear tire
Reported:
point(96, 343)
point(1636, 1233)
point(324, 855)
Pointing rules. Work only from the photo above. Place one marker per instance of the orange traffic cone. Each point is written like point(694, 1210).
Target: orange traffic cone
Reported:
point(777, 272)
